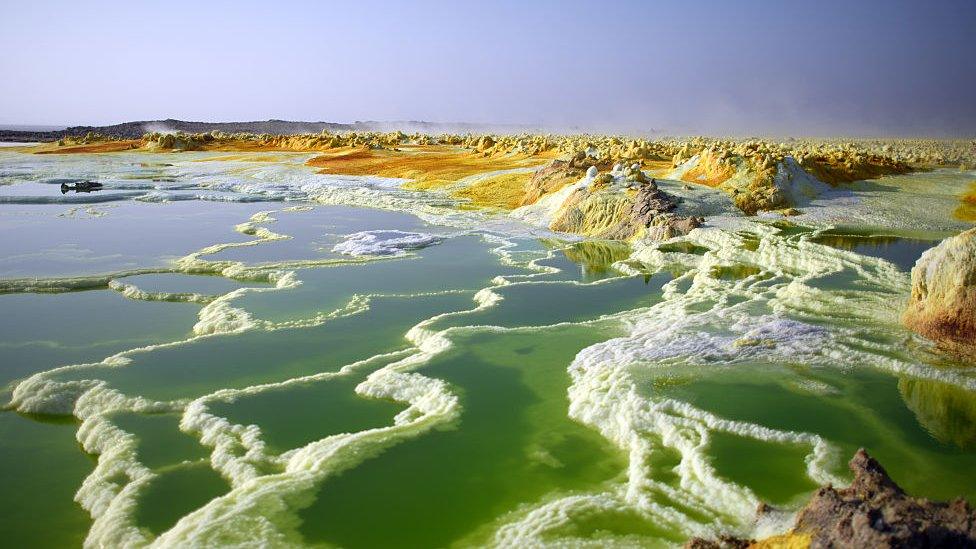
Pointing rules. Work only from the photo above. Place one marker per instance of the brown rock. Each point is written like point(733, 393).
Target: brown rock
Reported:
point(651, 202)
point(872, 512)
point(549, 179)
point(943, 302)
point(875, 512)
point(723, 542)
point(653, 209)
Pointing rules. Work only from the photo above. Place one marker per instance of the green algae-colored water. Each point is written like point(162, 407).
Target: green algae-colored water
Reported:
point(461, 382)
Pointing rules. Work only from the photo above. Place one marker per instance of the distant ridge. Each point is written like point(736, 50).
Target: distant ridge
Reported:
point(135, 130)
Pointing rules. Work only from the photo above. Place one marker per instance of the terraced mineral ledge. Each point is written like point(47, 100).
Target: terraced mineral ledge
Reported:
point(366, 339)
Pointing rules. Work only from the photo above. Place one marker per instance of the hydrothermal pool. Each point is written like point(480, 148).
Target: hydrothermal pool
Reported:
point(247, 371)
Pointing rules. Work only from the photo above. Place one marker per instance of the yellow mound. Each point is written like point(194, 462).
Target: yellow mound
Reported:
point(601, 215)
point(245, 158)
point(549, 179)
point(837, 169)
point(429, 166)
point(248, 146)
point(502, 191)
point(710, 171)
point(657, 168)
point(107, 146)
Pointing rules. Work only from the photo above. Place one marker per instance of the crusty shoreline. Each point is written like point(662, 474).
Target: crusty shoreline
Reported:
point(518, 171)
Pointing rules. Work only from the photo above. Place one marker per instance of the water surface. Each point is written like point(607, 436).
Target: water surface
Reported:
point(220, 364)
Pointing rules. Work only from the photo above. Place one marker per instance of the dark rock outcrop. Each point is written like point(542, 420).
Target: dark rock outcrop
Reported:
point(135, 130)
point(872, 512)
point(654, 210)
point(651, 202)
point(875, 512)
point(669, 225)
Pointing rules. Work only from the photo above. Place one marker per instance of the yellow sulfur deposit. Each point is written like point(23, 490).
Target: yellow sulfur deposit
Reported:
point(753, 172)
point(69, 146)
point(504, 191)
point(967, 207)
point(712, 169)
point(427, 166)
point(599, 214)
point(792, 540)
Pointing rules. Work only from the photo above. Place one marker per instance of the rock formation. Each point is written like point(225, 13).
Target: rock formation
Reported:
point(598, 213)
point(550, 178)
point(621, 205)
point(943, 302)
point(750, 171)
point(669, 225)
point(872, 512)
point(651, 202)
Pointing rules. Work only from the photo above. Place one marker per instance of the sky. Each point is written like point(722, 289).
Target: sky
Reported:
point(743, 67)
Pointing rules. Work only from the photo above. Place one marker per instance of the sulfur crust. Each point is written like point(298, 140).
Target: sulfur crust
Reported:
point(747, 169)
point(966, 211)
point(791, 540)
point(604, 395)
point(709, 171)
point(101, 147)
point(504, 191)
point(600, 214)
point(428, 167)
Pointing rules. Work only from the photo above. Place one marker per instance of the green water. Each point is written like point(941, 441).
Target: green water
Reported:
point(205, 365)
point(43, 466)
point(181, 283)
point(521, 451)
point(40, 331)
point(332, 403)
point(492, 388)
point(161, 443)
point(866, 410)
point(900, 250)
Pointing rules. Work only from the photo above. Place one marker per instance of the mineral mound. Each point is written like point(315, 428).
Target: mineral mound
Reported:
point(943, 302)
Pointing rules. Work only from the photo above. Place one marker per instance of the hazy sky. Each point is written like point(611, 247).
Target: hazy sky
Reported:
point(884, 67)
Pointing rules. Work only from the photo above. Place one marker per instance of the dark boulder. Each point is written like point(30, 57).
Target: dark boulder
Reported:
point(872, 512)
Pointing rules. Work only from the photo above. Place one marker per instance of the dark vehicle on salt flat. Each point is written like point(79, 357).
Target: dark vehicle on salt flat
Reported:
point(81, 187)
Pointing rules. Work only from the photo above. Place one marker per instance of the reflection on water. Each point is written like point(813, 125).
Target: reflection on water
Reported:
point(902, 251)
point(787, 228)
point(966, 211)
point(596, 257)
point(946, 411)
